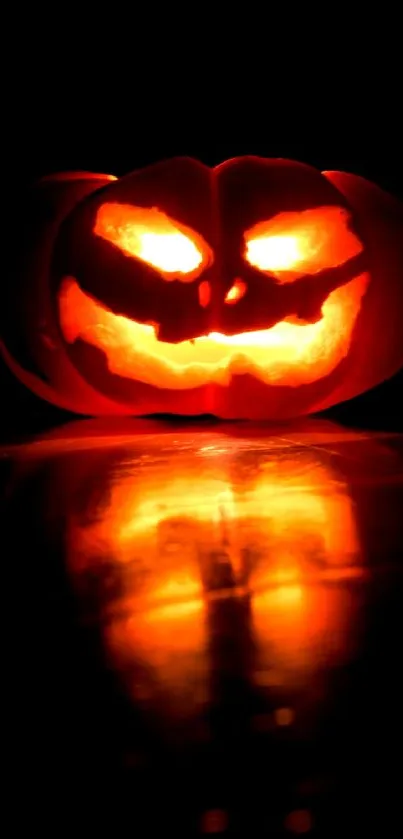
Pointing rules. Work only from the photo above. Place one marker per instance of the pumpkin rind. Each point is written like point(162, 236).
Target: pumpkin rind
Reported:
point(232, 336)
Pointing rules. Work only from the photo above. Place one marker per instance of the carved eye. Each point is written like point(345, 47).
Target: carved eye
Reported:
point(291, 244)
point(148, 234)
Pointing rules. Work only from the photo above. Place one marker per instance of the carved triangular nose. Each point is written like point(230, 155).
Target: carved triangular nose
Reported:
point(204, 292)
point(236, 292)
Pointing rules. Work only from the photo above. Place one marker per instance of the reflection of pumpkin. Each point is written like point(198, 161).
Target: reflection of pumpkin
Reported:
point(259, 288)
point(164, 525)
point(175, 533)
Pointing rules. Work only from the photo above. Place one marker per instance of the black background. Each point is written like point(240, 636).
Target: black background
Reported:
point(109, 96)
point(113, 94)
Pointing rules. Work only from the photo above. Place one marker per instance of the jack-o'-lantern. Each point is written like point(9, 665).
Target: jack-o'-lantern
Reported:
point(260, 288)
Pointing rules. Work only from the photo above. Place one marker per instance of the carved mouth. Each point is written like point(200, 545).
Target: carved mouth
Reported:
point(289, 353)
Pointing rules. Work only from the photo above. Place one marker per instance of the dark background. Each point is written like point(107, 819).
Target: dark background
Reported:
point(110, 101)
point(110, 97)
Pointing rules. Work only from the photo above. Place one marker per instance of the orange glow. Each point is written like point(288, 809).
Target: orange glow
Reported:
point(159, 523)
point(306, 242)
point(236, 292)
point(285, 532)
point(297, 628)
point(172, 642)
point(284, 716)
point(204, 293)
point(289, 353)
point(150, 235)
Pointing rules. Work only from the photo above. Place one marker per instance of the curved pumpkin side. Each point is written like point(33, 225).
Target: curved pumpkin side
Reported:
point(30, 343)
point(286, 348)
point(377, 351)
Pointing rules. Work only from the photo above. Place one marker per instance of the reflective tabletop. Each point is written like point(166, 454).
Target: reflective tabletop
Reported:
point(207, 628)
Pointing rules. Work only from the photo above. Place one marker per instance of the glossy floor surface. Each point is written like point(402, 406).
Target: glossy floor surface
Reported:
point(207, 629)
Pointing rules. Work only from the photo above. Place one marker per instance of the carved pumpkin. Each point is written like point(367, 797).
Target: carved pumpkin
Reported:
point(260, 288)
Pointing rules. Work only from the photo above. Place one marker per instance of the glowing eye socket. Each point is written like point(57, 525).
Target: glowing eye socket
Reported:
point(150, 235)
point(292, 244)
